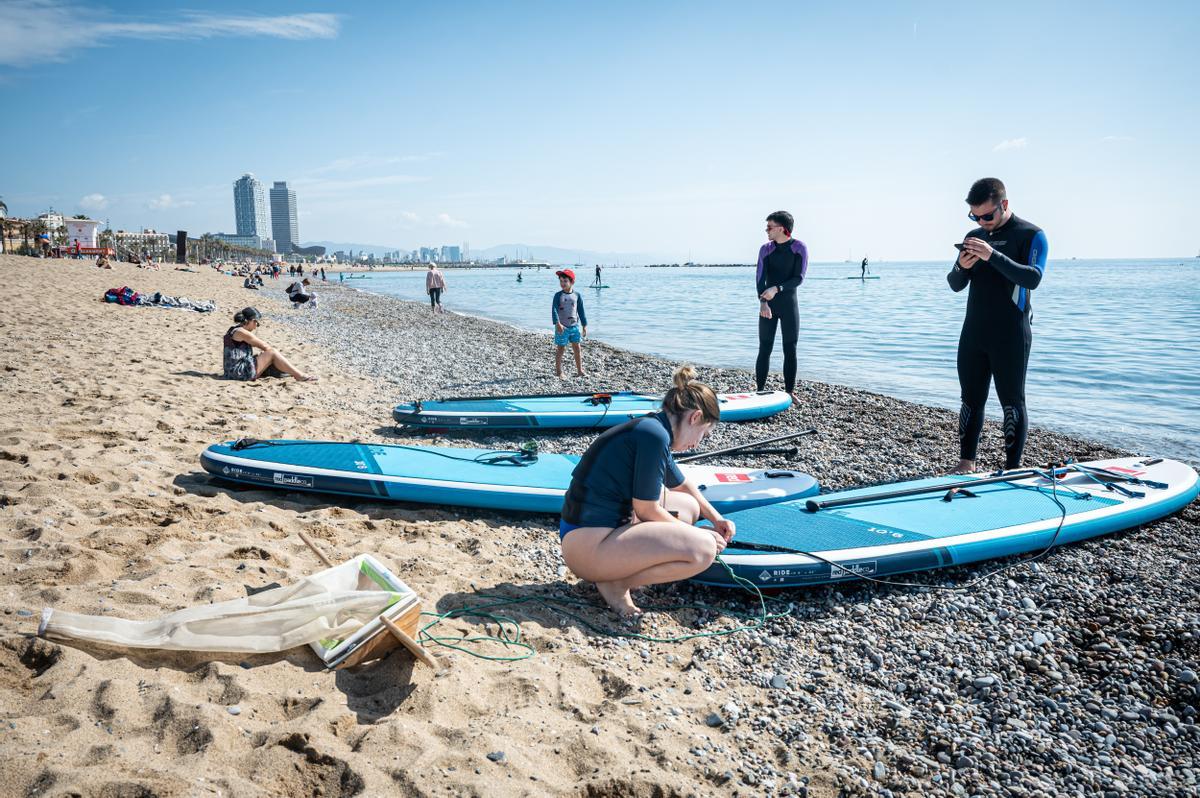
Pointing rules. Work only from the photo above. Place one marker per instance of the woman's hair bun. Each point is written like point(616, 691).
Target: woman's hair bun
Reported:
point(684, 375)
point(690, 394)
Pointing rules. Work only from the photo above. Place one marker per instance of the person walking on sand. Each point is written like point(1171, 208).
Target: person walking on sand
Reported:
point(1002, 261)
point(782, 264)
point(570, 322)
point(435, 284)
point(629, 515)
point(239, 360)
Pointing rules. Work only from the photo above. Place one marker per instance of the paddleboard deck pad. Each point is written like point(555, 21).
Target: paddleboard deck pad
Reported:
point(500, 480)
point(885, 537)
point(566, 411)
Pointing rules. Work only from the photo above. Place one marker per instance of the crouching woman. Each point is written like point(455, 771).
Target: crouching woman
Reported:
point(629, 516)
point(238, 347)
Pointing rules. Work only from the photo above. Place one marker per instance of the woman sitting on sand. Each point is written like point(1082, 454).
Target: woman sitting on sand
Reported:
point(619, 527)
point(240, 361)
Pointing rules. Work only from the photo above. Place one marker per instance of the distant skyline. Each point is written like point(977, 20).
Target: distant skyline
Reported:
point(669, 128)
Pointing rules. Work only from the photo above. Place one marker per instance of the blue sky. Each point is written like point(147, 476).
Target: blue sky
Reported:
point(669, 128)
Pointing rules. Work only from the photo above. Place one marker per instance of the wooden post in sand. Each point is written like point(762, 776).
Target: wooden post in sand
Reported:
point(416, 648)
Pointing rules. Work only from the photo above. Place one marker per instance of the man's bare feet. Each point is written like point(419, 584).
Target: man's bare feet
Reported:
point(964, 467)
point(617, 596)
point(581, 374)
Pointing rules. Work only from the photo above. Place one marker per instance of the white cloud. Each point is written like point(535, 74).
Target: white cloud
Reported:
point(371, 161)
point(165, 201)
point(1011, 144)
point(448, 221)
point(410, 219)
point(93, 202)
point(51, 30)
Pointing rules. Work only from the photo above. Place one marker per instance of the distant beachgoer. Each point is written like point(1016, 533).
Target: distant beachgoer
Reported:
point(597, 283)
point(435, 284)
point(240, 362)
point(782, 264)
point(76, 250)
point(102, 262)
point(341, 277)
point(249, 283)
point(628, 519)
point(300, 294)
point(864, 268)
point(570, 322)
point(996, 333)
point(519, 277)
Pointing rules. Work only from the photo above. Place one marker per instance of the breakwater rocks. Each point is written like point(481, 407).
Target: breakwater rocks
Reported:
point(1072, 676)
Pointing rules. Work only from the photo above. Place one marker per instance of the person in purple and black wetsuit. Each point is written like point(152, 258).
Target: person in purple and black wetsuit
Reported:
point(1002, 261)
point(782, 264)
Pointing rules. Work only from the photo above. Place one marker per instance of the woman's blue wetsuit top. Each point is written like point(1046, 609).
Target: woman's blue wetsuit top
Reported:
point(632, 461)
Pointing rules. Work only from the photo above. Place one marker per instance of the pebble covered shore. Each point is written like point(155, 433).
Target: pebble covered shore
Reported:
point(1073, 676)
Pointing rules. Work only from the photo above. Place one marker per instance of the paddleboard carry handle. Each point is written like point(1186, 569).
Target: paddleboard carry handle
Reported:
point(600, 399)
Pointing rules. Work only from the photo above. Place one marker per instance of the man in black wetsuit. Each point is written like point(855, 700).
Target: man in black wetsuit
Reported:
point(782, 263)
point(1003, 261)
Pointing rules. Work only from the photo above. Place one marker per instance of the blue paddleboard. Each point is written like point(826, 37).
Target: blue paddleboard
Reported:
point(564, 411)
point(884, 537)
point(500, 480)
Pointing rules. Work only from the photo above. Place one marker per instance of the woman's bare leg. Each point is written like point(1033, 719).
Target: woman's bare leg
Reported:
point(267, 359)
point(646, 553)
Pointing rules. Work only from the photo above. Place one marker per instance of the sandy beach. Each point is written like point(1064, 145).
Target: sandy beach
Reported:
point(104, 509)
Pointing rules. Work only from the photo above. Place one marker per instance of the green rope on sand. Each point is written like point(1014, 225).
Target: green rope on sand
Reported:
point(509, 629)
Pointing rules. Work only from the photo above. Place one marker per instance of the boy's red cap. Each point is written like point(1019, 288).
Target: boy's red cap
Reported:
point(566, 273)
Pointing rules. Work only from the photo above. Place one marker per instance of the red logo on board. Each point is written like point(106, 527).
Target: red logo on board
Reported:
point(733, 477)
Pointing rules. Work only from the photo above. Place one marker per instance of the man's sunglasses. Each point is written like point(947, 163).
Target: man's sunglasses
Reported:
point(984, 217)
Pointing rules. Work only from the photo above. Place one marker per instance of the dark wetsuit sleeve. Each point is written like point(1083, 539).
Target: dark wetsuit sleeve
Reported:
point(1026, 276)
point(958, 277)
point(673, 477)
point(799, 269)
point(579, 310)
point(649, 465)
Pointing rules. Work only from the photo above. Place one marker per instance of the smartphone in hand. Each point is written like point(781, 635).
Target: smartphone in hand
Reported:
point(959, 247)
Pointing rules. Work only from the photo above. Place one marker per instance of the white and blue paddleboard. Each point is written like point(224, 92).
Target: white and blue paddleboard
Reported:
point(500, 480)
point(789, 545)
point(565, 411)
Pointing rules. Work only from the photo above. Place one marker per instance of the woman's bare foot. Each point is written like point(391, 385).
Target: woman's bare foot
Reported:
point(617, 596)
point(307, 378)
point(964, 467)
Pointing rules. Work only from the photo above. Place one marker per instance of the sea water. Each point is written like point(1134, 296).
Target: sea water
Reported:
point(1116, 343)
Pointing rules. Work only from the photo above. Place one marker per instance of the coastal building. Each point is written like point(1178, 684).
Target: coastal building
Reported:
point(284, 229)
point(451, 254)
point(250, 207)
point(54, 222)
point(253, 242)
point(137, 242)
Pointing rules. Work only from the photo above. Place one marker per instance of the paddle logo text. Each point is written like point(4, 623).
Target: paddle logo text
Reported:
point(233, 472)
point(841, 571)
point(295, 480)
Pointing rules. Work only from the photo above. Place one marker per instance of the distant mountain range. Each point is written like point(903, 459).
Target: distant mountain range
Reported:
point(555, 255)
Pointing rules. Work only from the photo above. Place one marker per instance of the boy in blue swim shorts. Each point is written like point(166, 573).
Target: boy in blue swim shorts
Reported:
point(570, 322)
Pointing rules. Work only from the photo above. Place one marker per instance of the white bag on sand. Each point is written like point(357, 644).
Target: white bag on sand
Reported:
point(333, 611)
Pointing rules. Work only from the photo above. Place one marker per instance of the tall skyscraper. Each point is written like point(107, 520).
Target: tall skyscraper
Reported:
point(250, 207)
point(283, 218)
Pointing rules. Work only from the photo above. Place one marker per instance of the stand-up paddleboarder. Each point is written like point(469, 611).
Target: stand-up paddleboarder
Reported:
point(782, 263)
point(1002, 261)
